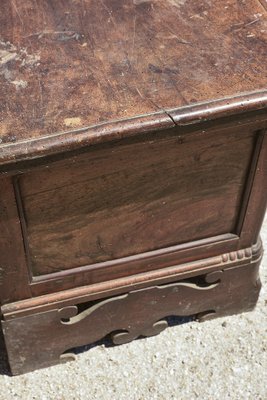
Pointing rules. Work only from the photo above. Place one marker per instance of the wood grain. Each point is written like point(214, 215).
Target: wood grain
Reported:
point(134, 197)
point(85, 62)
point(133, 154)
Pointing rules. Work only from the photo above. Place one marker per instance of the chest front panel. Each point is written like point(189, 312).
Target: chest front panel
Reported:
point(128, 198)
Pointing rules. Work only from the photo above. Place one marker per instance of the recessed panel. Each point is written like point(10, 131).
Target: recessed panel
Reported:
point(132, 197)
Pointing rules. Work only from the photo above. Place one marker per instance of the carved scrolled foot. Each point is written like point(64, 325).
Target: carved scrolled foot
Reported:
point(128, 336)
point(44, 337)
point(205, 315)
point(214, 277)
point(67, 313)
point(122, 337)
point(66, 357)
point(156, 328)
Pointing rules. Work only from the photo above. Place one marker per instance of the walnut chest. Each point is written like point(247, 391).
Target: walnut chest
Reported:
point(133, 168)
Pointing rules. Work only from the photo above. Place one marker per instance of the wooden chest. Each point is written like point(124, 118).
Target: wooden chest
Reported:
point(133, 168)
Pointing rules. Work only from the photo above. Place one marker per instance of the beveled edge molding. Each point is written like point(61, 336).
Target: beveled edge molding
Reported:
point(144, 257)
point(253, 253)
point(138, 281)
point(66, 141)
point(220, 108)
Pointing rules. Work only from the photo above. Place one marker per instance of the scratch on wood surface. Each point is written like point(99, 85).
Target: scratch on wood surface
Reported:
point(109, 12)
point(264, 4)
point(238, 27)
point(41, 91)
point(100, 244)
point(137, 2)
point(133, 41)
point(148, 99)
point(61, 35)
point(17, 11)
point(174, 36)
point(253, 22)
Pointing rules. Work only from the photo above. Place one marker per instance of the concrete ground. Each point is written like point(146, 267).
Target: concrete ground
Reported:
point(220, 359)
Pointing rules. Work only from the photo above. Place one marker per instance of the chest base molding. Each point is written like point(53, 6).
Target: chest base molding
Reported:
point(47, 334)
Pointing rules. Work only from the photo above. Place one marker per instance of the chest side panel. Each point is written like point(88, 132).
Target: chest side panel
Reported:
point(133, 197)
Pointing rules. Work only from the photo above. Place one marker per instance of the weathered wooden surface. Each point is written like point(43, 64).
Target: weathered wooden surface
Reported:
point(78, 63)
point(206, 184)
point(130, 198)
point(39, 339)
point(114, 287)
point(183, 194)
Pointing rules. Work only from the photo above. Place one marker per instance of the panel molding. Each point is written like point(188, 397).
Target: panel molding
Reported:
point(163, 258)
point(133, 282)
point(14, 274)
point(257, 199)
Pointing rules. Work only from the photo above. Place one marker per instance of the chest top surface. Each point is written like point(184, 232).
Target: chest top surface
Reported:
point(72, 64)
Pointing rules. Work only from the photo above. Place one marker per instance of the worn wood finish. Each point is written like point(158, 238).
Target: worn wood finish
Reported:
point(165, 257)
point(44, 338)
point(111, 204)
point(75, 73)
point(133, 154)
point(249, 108)
point(117, 272)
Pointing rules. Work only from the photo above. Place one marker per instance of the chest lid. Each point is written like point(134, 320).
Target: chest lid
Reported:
point(77, 72)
